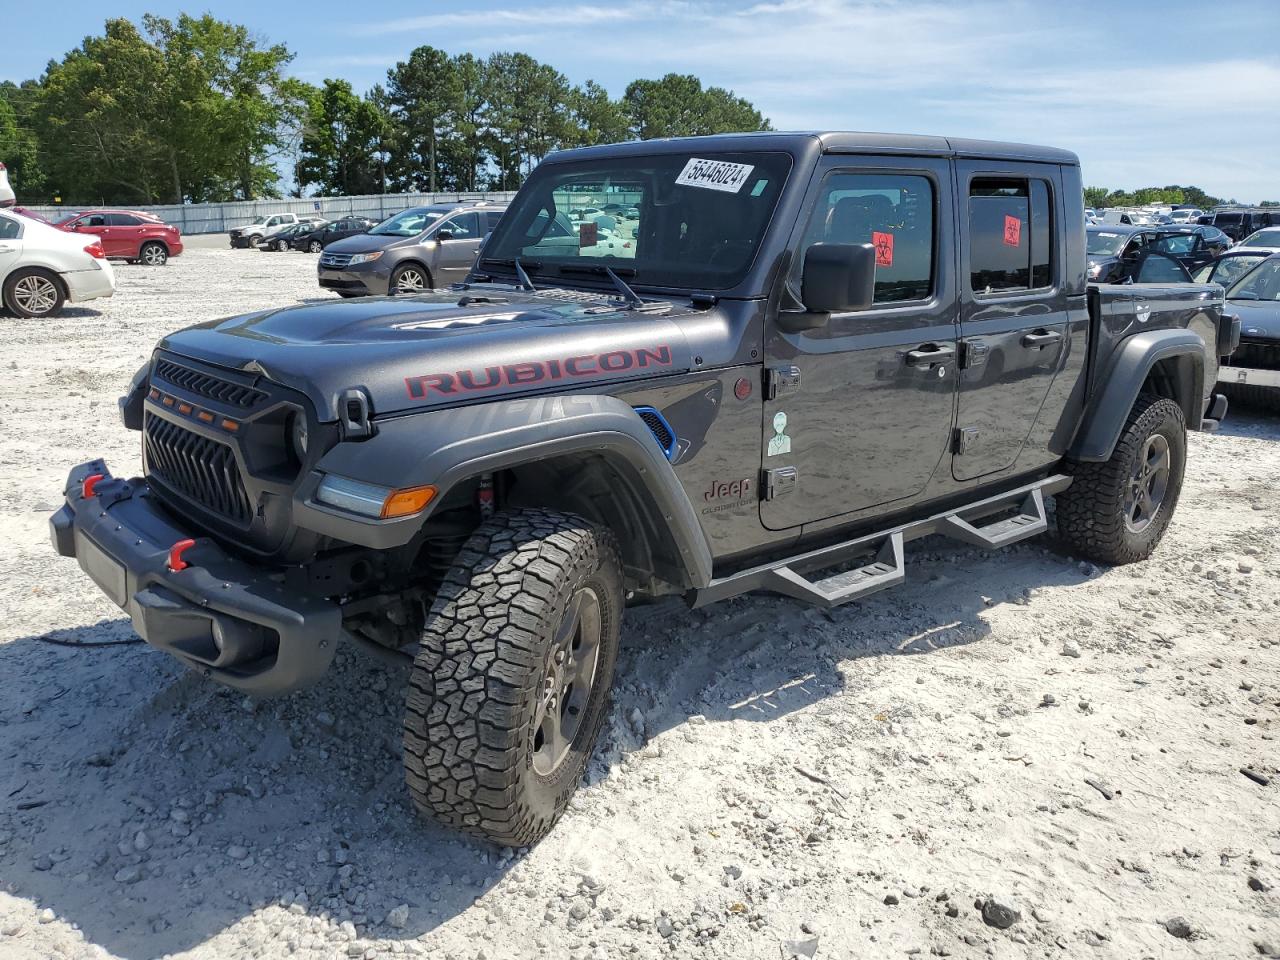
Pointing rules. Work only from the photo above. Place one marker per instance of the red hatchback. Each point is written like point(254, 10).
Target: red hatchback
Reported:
point(129, 235)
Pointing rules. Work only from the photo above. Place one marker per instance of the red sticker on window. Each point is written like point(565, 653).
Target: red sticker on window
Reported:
point(884, 248)
point(588, 234)
point(1012, 231)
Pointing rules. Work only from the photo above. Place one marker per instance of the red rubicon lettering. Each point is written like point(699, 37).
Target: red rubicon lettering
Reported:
point(536, 371)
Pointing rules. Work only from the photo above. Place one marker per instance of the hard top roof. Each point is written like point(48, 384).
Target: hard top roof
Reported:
point(831, 142)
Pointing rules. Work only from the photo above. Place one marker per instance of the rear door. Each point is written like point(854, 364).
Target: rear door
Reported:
point(124, 231)
point(861, 410)
point(453, 257)
point(1013, 313)
point(10, 244)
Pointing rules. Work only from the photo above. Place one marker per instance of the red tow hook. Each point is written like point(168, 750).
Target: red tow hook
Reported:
point(86, 488)
point(176, 562)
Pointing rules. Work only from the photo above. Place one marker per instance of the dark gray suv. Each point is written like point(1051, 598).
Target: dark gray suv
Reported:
point(417, 249)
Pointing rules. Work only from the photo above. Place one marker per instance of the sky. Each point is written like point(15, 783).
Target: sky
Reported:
point(1147, 93)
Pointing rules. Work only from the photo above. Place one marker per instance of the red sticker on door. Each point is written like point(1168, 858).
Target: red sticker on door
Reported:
point(588, 234)
point(1012, 231)
point(884, 248)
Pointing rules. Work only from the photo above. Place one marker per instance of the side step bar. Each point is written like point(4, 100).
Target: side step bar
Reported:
point(888, 566)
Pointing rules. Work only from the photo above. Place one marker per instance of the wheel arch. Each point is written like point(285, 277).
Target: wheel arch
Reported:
point(1163, 363)
point(586, 454)
point(412, 262)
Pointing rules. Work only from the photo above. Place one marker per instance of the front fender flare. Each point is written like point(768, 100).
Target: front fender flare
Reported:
point(446, 447)
point(1133, 361)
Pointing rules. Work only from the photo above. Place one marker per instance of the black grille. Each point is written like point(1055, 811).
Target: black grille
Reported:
point(1263, 355)
point(201, 469)
point(215, 388)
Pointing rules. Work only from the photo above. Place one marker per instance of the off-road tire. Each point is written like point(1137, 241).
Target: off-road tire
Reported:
point(1091, 514)
point(478, 679)
point(1254, 396)
point(18, 299)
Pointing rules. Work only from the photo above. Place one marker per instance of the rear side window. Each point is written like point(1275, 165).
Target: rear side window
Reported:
point(491, 218)
point(893, 213)
point(464, 226)
point(9, 229)
point(1010, 235)
point(122, 220)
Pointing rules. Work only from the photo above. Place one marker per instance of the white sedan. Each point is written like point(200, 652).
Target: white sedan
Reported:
point(41, 267)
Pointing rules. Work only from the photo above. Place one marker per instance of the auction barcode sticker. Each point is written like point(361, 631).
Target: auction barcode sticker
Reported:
point(714, 174)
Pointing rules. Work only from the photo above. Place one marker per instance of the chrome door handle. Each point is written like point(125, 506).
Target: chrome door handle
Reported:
point(929, 355)
point(1041, 339)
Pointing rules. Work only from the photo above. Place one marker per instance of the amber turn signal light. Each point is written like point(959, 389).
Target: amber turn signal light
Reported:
point(403, 503)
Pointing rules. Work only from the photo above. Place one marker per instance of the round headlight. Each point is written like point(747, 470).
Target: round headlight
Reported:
point(298, 435)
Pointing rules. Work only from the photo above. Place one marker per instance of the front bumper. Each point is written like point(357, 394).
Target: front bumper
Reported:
point(1248, 375)
point(372, 281)
point(236, 623)
point(240, 242)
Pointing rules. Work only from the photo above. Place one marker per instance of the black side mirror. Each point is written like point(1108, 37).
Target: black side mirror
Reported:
point(444, 234)
point(838, 277)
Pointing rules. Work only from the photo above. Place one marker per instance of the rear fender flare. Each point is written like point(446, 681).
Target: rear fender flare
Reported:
point(1181, 352)
point(449, 447)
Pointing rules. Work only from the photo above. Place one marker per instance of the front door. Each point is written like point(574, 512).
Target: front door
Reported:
point(454, 256)
point(862, 409)
point(1014, 320)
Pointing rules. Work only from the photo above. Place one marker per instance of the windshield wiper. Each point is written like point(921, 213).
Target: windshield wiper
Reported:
point(633, 299)
point(522, 275)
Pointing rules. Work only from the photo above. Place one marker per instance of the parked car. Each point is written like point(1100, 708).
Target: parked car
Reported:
point(314, 241)
point(129, 235)
point(42, 267)
point(7, 196)
point(1268, 238)
point(1230, 266)
point(1185, 214)
point(1238, 224)
point(1252, 374)
point(31, 215)
point(476, 482)
point(251, 233)
point(282, 238)
point(417, 249)
point(1192, 246)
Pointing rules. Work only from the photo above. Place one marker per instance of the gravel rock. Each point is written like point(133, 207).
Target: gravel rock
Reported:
point(1179, 927)
point(1071, 649)
point(398, 917)
point(237, 852)
point(129, 874)
point(1000, 912)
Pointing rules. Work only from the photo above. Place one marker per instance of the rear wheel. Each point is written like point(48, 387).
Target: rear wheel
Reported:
point(154, 254)
point(33, 293)
point(512, 680)
point(1117, 511)
point(410, 278)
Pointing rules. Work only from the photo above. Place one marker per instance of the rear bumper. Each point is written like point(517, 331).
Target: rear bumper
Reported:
point(1248, 375)
point(236, 623)
point(90, 284)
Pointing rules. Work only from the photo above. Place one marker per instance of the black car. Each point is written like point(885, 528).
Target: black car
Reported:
point(316, 240)
point(1192, 246)
point(1125, 254)
point(1238, 224)
point(281, 240)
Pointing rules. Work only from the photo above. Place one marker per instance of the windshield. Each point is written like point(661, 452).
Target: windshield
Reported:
point(668, 220)
point(407, 223)
point(1263, 238)
point(1260, 283)
point(1229, 269)
point(1105, 243)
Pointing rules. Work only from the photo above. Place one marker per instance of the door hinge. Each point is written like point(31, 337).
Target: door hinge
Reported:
point(779, 481)
point(779, 381)
point(963, 439)
point(973, 353)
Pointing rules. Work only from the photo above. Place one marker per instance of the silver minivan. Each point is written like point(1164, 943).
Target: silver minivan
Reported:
point(417, 249)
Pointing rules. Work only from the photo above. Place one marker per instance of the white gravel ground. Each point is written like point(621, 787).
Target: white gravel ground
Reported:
point(773, 781)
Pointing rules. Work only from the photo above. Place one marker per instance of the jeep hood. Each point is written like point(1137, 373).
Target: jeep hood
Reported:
point(1258, 318)
point(445, 348)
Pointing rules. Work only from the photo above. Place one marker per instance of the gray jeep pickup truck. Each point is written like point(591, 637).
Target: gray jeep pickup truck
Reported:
point(804, 351)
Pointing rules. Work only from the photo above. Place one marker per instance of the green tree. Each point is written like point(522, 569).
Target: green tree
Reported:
point(342, 141)
point(19, 148)
point(678, 106)
point(422, 92)
point(598, 118)
point(1095, 196)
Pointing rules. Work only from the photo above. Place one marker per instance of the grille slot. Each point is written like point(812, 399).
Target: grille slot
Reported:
point(207, 385)
point(1264, 354)
point(660, 429)
point(335, 260)
point(201, 469)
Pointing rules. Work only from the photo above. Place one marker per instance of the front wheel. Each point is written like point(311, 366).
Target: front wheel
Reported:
point(1117, 511)
point(315, 246)
point(282, 245)
point(410, 278)
point(511, 683)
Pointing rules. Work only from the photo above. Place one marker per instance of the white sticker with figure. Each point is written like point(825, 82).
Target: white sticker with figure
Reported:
point(779, 443)
point(714, 175)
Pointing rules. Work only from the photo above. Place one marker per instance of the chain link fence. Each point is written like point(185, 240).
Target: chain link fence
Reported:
point(195, 218)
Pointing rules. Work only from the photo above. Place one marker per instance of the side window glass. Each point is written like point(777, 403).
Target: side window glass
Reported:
point(491, 219)
point(97, 220)
point(1010, 235)
point(1161, 268)
point(893, 213)
point(9, 229)
point(121, 220)
point(464, 226)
